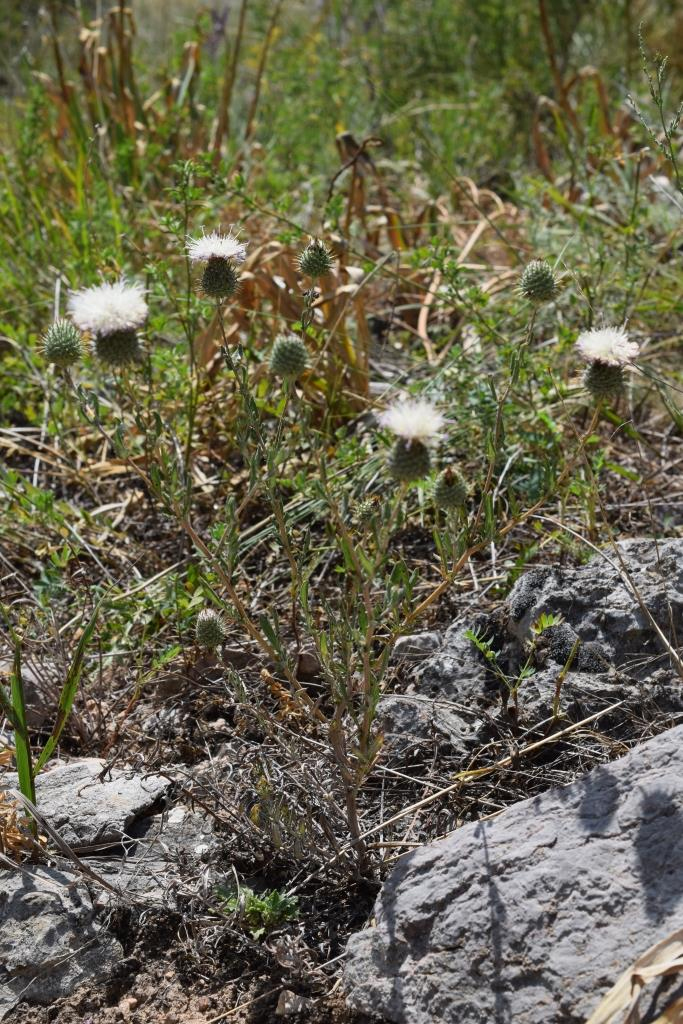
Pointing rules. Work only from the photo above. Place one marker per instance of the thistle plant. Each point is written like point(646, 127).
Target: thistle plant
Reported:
point(665, 140)
point(450, 490)
point(315, 260)
point(112, 314)
point(414, 422)
point(606, 351)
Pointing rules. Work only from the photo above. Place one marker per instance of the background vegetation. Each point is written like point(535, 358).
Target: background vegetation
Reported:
point(436, 147)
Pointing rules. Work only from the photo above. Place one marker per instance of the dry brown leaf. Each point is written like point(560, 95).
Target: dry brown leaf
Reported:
point(665, 957)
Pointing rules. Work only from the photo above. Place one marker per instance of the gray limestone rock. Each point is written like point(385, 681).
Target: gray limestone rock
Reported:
point(158, 852)
point(52, 933)
point(598, 603)
point(49, 941)
point(457, 671)
point(605, 641)
point(412, 725)
point(533, 915)
point(89, 807)
point(417, 645)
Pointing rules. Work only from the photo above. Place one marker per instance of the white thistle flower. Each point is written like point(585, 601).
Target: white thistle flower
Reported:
point(216, 246)
point(107, 308)
point(609, 345)
point(413, 419)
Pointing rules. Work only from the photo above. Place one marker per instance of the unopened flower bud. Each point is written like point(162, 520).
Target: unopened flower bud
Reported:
point(315, 260)
point(62, 343)
point(450, 489)
point(538, 283)
point(210, 631)
point(289, 356)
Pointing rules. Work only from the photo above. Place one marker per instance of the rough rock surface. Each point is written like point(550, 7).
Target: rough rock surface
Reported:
point(52, 934)
point(90, 806)
point(533, 915)
point(605, 635)
point(49, 941)
point(416, 645)
point(411, 724)
point(597, 601)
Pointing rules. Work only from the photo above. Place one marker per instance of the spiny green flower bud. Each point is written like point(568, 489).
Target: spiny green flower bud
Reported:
point(365, 510)
point(409, 460)
point(220, 278)
point(315, 260)
point(210, 631)
point(118, 347)
point(289, 356)
point(62, 343)
point(602, 379)
point(450, 489)
point(538, 283)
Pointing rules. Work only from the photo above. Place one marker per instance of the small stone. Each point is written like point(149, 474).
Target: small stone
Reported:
point(90, 805)
point(417, 645)
point(290, 1003)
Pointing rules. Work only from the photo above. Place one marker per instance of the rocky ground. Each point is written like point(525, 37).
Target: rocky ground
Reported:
point(559, 869)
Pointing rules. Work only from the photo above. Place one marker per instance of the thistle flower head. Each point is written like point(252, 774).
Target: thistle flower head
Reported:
point(62, 343)
point(413, 419)
point(538, 283)
point(216, 246)
point(220, 278)
point(409, 460)
point(210, 630)
point(315, 260)
point(107, 308)
point(450, 489)
point(365, 510)
point(118, 348)
point(603, 380)
point(289, 356)
point(609, 345)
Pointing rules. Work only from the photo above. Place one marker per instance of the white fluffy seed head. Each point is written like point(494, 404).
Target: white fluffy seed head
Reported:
point(216, 246)
point(413, 419)
point(609, 345)
point(107, 308)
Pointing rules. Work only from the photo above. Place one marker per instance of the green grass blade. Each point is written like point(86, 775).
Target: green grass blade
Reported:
point(69, 690)
point(22, 747)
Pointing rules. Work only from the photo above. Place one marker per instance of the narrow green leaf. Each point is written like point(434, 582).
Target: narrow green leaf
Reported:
point(69, 690)
point(22, 745)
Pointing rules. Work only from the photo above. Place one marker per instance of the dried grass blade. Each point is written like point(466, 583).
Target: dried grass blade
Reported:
point(665, 957)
